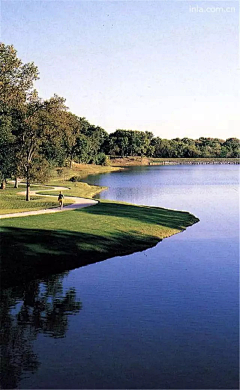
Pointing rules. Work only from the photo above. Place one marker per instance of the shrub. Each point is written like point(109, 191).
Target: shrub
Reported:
point(101, 159)
point(74, 179)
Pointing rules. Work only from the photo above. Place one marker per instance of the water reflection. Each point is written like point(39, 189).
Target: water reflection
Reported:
point(39, 307)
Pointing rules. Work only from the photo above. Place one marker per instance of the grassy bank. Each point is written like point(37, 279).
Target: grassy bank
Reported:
point(81, 170)
point(12, 202)
point(63, 176)
point(40, 245)
point(83, 190)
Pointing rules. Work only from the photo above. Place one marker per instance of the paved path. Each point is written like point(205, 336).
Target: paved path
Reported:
point(78, 203)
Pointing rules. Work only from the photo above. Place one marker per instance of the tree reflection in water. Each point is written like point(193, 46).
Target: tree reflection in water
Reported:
point(26, 311)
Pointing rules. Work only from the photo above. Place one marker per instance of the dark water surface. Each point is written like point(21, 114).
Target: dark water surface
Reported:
point(165, 318)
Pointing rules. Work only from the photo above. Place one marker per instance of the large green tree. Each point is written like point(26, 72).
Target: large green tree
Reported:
point(16, 86)
point(71, 128)
point(7, 160)
point(36, 123)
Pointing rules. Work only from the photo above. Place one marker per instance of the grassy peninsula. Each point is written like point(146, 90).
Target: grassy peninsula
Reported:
point(35, 246)
point(39, 245)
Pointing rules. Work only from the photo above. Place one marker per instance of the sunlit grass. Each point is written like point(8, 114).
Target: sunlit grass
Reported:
point(61, 177)
point(83, 190)
point(11, 202)
point(80, 170)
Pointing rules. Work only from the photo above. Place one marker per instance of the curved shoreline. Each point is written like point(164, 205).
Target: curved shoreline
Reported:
point(43, 245)
point(40, 246)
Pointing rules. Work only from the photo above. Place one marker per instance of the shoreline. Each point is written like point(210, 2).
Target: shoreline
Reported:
point(195, 163)
point(122, 162)
point(40, 245)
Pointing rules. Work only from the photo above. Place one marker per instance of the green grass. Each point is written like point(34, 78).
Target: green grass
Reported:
point(83, 190)
point(80, 189)
point(39, 245)
point(10, 202)
point(81, 170)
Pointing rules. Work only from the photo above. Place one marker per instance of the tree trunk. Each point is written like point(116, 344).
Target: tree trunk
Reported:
point(71, 163)
point(3, 184)
point(28, 192)
point(28, 187)
point(16, 182)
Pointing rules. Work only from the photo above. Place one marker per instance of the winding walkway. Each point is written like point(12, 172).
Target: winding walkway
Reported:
point(77, 203)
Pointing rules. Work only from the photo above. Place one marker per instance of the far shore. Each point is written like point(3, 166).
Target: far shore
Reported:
point(135, 161)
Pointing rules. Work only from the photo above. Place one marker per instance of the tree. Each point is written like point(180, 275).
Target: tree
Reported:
point(16, 85)
point(71, 127)
point(162, 147)
point(7, 161)
point(91, 141)
point(113, 148)
point(16, 78)
point(36, 122)
point(232, 146)
point(97, 137)
point(83, 149)
point(131, 143)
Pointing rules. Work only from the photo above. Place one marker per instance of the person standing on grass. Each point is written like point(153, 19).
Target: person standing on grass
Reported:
point(60, 199)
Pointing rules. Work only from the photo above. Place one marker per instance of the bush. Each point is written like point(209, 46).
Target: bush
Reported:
point(101, 159)
point(75, 179)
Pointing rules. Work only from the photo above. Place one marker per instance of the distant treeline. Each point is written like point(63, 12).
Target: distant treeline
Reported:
point(37, 134)
point(138, 143)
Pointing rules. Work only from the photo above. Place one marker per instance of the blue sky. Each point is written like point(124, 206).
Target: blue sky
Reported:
point(141, 65)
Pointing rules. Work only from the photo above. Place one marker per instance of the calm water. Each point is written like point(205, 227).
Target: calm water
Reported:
point(165, 318)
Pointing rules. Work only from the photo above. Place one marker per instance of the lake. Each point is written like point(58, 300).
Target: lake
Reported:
point(165, 318)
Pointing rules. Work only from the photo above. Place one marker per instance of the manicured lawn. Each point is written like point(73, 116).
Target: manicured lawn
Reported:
point(10, 202)
point(39, 245)
point(60, 177)
point(83, 190)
